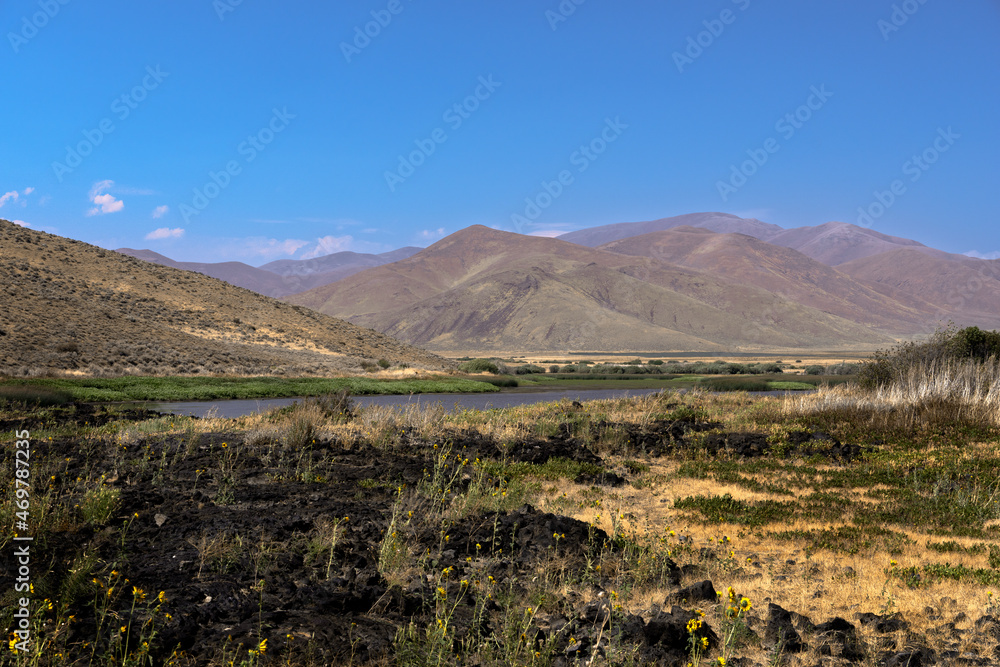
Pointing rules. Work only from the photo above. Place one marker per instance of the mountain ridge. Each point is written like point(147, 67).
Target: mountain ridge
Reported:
point(281, 277)
point(480, 288)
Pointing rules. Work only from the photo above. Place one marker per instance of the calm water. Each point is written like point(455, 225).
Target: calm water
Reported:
point(239, 408)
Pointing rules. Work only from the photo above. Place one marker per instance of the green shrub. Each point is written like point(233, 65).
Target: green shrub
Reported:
point(725, 384)
point(528, 369)
point(553, 368)
point(974, 343)
point(950, 343)
point(773, 367)
point(815, 369)
point(502, 381)
point(383, 363)
point(479, 366)
point(843, 369)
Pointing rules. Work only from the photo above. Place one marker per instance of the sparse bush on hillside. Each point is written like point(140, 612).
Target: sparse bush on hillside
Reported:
point(383, 363)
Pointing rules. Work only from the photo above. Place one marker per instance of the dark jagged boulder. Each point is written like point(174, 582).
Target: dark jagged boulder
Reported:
point(780, 631)
point(667, 634)
point(884, 623)
point(921, 657)
point(703, 591)
point(839, 638)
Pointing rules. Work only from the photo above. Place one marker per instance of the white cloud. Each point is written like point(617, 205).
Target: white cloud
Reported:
point(8, 196)
point(160, 211)
point(101, 186)
point(432, 233)
point(15, 196)
point(20, 223)
point(983, 255)
point(547, 233)
point(164, 233)
point(105, 203)
point(328, 245)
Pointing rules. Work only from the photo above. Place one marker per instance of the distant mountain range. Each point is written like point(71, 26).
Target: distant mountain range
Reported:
point(698, 282)
point(283, 277)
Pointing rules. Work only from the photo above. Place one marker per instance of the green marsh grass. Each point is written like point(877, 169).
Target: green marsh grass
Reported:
point(136, 388)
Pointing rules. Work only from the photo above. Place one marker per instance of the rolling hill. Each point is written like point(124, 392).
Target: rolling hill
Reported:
point(482, 289)
point(70, 305)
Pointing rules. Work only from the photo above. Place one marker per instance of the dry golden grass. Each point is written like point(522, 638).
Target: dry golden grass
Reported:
point(929, 392)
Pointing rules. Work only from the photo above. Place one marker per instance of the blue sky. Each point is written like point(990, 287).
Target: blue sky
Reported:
point(214, 130)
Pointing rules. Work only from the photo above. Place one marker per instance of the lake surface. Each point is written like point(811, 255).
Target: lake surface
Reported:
point(451, 402)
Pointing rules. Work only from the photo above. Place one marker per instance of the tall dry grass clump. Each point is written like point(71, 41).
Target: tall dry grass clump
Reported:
point(929, 392)
point(953, 377)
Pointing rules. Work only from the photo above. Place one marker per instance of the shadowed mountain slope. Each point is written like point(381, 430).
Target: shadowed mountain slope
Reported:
point(961, 288)
point(76, 307)
point(748, 261)
point(835, 243)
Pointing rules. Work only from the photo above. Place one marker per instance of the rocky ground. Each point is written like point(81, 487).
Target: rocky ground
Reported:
point(286, 541)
